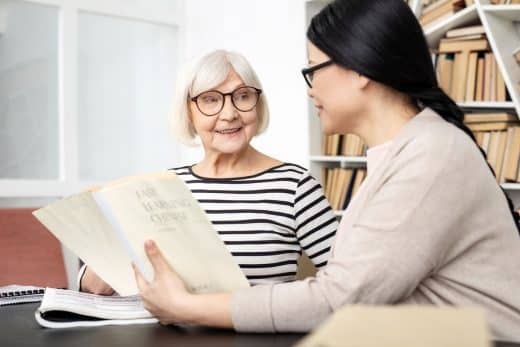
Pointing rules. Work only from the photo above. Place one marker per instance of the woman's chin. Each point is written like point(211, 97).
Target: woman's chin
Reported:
point(231, 148)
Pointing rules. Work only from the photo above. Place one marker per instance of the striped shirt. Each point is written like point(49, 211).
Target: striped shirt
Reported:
point(266, 220)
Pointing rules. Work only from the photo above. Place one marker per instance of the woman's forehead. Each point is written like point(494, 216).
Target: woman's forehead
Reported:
point(231, 82)
point(314, 54)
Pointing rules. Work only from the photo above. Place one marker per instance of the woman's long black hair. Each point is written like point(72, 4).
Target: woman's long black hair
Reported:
point(382, 40)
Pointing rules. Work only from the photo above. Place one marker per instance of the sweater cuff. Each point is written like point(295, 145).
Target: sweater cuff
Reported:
point(251, 309)
point(80, 276)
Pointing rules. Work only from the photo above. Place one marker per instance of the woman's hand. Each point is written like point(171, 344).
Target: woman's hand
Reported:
point(92, 283)
point(166, 296)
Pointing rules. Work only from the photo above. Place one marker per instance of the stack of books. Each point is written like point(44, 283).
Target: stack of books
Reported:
point(466, 68)
point(504, 2)
point(435, 11)
point(341, 185)
point(346, 145)
point(498, 134)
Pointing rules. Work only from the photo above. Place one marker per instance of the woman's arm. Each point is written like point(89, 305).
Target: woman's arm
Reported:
point(405, 225)
point(315, 221)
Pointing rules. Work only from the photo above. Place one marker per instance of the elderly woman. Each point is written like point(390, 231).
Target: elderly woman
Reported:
point(266, 211)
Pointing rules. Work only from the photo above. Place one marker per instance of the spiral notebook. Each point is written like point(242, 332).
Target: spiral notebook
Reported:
point(16, 294)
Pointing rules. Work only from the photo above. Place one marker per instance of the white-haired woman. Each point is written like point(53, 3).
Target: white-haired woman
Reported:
point(266, 211)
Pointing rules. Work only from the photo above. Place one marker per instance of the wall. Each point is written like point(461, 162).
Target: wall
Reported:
point(271, 34)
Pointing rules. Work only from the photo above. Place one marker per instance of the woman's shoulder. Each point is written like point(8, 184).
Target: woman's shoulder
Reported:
point(291, 169)
point(433, 135)
point(287, 166)
point(181, 170)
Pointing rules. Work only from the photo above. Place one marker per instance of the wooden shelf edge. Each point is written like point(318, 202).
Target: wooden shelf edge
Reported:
point(510, 186)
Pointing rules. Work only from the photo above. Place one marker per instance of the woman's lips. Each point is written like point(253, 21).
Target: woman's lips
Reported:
point(229, 131)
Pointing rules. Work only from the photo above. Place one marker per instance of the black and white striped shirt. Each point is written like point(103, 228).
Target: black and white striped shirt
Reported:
point(267, 219)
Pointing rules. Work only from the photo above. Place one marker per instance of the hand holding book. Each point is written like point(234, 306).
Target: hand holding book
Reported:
point(92, 283)
point(162, 295)
point(167, 298)
point(107, 228)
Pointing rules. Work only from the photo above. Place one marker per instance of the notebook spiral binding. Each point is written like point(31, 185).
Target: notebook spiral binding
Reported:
point(14, 294)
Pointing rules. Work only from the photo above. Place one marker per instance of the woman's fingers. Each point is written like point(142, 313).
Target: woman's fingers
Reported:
point(92, 283)
point(142, 284)
point(154, 254)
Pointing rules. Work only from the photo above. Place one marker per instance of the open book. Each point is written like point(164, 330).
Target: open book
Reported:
point(107, 229)
point(61, 308)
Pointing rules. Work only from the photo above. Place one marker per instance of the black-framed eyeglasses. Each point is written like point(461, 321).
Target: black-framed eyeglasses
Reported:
point(308, 73)
point(212, 102)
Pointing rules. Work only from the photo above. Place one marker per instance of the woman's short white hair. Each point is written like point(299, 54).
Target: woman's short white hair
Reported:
point(207, 73)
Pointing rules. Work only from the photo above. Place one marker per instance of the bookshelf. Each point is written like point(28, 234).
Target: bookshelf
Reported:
point(502, 29)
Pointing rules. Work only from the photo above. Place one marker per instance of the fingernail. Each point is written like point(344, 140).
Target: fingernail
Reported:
point(149, 244)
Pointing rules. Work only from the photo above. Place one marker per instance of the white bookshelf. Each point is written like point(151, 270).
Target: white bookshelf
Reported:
point(434, 33)
point(512, 187)
point(503, 32)
point(487, 106)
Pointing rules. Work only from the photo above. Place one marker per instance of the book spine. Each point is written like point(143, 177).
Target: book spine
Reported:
point(109, 215)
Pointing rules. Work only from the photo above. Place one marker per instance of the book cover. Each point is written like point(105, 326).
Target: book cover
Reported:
point(107, 230)
point(513, 160)
point(472, 77)
point(466, 31)
point(398, 326)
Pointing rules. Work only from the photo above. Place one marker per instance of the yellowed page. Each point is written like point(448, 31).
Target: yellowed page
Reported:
point(80, 225)
point(402, 326)
point(161, 208)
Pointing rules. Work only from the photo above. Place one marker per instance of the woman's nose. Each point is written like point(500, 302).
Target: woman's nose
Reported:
point(228, 112)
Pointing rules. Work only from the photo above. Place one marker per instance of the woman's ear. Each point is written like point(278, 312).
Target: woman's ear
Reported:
point(362, 81)
point(190, 119)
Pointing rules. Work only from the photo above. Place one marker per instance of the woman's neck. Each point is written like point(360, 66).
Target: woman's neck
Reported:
point(246, 162)
point(384, 119)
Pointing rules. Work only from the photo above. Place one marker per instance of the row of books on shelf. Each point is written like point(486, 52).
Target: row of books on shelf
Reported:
point(435, 11)
point(343, 144)
point(341, 185)
point(498, 134)
point(504, 2)
point(467, 70)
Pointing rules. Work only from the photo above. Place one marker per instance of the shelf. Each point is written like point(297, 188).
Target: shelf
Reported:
point(491, 105)
point(511, 12)
point(338, 159)
point(510, 186)
point(467, 16)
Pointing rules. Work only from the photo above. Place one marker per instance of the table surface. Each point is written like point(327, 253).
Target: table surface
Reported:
point(19, 328)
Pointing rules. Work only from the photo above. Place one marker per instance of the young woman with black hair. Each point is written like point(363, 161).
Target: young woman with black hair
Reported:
point(430, 225)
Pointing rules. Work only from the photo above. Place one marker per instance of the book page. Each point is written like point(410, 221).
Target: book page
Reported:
point(162, 208)
point(99, 306)
point(80, 225)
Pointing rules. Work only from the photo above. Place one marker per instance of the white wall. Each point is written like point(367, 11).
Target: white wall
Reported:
point(271, 34)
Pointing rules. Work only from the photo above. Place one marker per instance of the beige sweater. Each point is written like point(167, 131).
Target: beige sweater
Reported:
point(428, 226)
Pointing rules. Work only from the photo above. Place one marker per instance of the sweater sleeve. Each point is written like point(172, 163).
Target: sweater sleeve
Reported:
point(391, 245)
point(316, 224)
